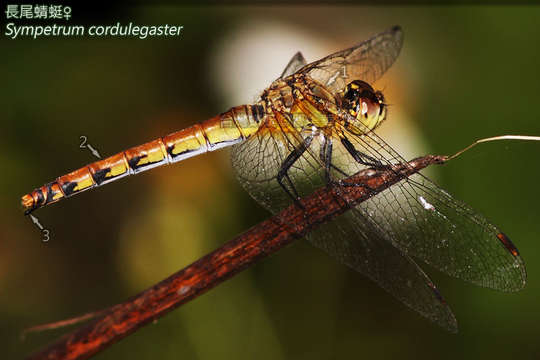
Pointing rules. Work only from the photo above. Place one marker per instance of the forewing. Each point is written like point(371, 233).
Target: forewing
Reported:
point(426, 222)
point(366, 61)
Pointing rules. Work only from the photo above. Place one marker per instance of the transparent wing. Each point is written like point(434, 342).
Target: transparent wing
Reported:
point(366, 61)
point(414, 215)
point(258, 160)
point(425, 222)
point(297, 62)
point(357, 244)
point(362, 248)
point(380, 237)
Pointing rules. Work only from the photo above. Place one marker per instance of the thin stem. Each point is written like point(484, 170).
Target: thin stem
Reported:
point(495, 138)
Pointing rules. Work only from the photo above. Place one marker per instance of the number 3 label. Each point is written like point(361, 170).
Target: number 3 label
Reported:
point(46, 235)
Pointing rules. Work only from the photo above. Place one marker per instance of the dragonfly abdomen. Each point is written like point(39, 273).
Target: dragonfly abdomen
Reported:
point(220, 131)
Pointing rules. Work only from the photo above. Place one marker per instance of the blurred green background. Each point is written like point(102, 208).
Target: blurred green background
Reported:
point(464, 73)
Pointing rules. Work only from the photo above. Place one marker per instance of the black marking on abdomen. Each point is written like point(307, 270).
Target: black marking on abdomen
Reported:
point(68, 188)
point(174, 156)
point(101, 175)
point(50, 193)
point(40, 198)
point(133, 162)
point(170, 149)
point(257, 112)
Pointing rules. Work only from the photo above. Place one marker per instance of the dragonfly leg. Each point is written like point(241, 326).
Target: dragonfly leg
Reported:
point(326, 158)
point(286, 165)
point(360, 157)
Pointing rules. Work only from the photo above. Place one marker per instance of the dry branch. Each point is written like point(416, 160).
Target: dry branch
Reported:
point(256, 243)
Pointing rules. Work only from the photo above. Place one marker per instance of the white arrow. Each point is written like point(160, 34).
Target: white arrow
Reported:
point(36, 221)
point(94, 151)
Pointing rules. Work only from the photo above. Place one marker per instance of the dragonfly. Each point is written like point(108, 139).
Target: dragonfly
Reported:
point(314, 126)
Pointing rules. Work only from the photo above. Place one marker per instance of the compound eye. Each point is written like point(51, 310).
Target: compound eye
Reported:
point(369, 107)
point(364, 103)
point(354, 90)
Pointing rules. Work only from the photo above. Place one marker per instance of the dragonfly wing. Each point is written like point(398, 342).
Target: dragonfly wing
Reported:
point(259, 159)
point(414, 215)
point(296, 63)
point(351, 238)
point(256, 163)
point(411, 219)
point(366, 61)
point(355, 242)
point(426, 222)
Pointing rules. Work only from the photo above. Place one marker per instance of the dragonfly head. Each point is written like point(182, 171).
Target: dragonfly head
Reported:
point(364, 104)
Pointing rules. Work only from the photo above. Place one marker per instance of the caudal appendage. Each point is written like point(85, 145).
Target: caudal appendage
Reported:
point(47, 194)
point(67, 185)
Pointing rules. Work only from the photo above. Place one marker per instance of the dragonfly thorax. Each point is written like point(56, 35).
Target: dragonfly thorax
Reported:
point(298, 102)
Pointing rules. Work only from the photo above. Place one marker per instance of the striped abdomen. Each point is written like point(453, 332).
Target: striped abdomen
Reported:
point(223, 130)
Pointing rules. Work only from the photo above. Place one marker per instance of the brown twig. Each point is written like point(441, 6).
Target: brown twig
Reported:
point(258, 242)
